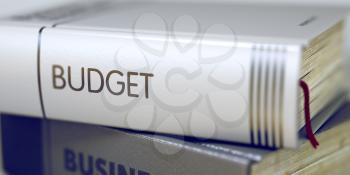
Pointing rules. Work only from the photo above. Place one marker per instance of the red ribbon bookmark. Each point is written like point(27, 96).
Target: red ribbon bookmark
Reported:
point(309, 133)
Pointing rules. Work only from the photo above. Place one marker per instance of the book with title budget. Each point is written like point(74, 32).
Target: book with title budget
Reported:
point(213, 71)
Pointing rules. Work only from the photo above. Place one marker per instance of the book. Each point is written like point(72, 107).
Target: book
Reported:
point(211, 71)
point(2, 172)
point(57, 147)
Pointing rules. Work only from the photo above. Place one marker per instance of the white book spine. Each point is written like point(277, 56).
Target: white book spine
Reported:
point(212, 87)
point(19, 92)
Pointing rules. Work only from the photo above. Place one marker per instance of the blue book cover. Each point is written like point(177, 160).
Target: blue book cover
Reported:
point(43, 147)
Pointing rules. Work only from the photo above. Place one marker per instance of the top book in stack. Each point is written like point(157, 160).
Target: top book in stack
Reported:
point(212, 71)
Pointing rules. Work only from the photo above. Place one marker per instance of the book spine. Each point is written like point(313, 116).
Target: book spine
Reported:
point(22, 145)
point(74, 148)
point(19, 90)
point(209, 87)
point(20, 48)
point(114, 152)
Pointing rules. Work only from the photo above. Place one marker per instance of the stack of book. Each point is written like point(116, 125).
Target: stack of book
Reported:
point(56, 147)
point(113, 88)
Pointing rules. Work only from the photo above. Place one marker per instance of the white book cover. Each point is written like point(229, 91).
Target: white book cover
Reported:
point(226, 72)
